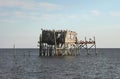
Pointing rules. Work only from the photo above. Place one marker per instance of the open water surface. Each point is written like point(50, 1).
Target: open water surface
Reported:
point(26, 64)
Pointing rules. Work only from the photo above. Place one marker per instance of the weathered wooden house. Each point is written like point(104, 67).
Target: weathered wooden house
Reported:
point(59, 43)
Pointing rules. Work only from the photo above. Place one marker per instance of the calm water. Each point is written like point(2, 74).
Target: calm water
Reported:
point(25, 64)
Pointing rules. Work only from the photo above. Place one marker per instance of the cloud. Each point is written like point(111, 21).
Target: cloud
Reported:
point(4, 14)
point(48, 6)
point(13, 3)
point(29, 4)
point(18, 16)
point(115, 14)
point(25, 9)
point(95, 12)
point(6, 21)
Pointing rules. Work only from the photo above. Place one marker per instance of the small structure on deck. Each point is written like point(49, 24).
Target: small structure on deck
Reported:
point(61, 43)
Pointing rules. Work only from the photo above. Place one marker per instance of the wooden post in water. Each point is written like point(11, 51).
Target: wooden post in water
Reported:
point(95, 45)
point(14, 50)
point(44, 49)
point(50, 50)
point(14, 54)
point(78, 50)
point(86, 46)
point(47, 50)
point(55, 44)
point(40, 45)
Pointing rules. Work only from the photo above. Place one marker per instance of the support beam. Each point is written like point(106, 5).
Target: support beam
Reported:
point(55, 44)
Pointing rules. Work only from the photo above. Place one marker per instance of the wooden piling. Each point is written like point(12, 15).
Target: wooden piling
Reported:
point(40, 45)
point(95, 45)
